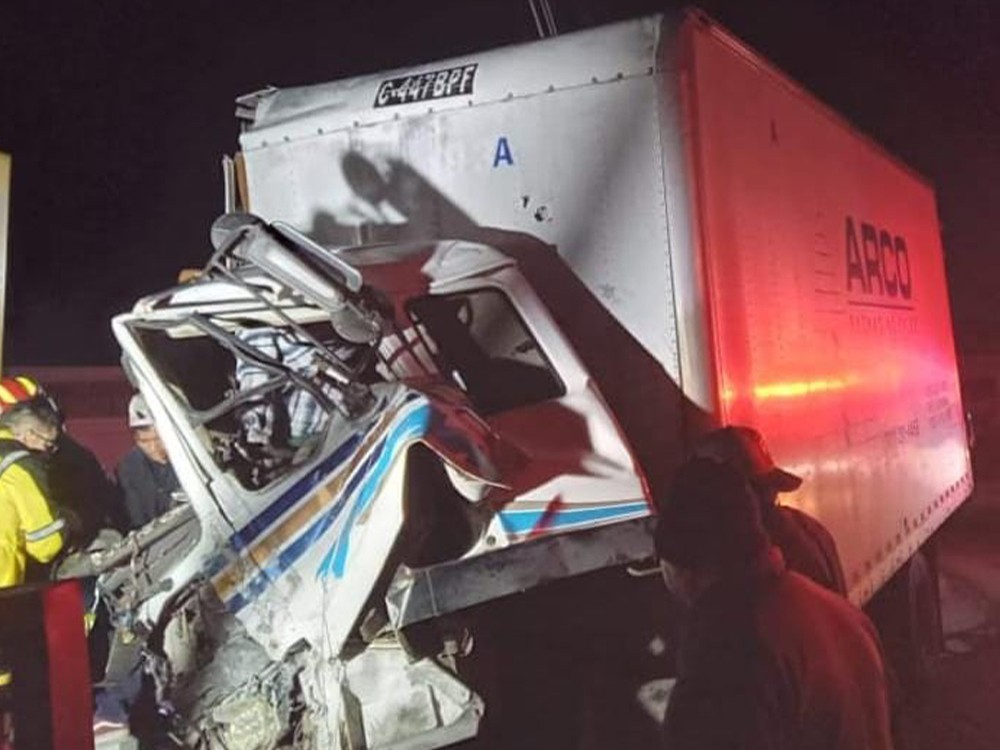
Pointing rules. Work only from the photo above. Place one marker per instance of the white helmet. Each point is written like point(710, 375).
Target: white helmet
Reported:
point(138, 413)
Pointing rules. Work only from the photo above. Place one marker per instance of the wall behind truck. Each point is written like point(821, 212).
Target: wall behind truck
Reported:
point(829, 307)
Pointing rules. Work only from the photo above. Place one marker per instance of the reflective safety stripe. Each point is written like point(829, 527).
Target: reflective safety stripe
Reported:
point(49, 530)
point(11, 458)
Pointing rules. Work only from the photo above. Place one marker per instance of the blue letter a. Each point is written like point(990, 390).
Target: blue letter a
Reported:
point(503, 152)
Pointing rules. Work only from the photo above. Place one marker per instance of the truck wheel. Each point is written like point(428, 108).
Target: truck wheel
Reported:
point(907, 613)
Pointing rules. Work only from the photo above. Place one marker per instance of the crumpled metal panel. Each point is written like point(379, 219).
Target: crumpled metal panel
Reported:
point(422, 594)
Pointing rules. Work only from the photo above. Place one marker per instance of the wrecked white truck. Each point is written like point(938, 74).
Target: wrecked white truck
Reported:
point(382, 436)
point(341, 424)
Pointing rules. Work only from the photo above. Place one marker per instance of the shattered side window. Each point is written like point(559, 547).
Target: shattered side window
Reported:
point(479, 341)
point(260, 402)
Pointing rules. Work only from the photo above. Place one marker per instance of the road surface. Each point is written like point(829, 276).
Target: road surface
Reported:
point(961, 708)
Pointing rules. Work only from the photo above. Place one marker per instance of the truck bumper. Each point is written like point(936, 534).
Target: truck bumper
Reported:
point(416, 595)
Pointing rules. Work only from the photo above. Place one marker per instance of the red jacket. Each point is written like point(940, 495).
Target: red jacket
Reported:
point(770, 660)
point(807, 546)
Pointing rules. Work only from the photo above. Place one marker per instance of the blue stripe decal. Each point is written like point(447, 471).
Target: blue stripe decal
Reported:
point(369, 480)
point(243, 538)
point(246, 536)
point(216, 564)
point(336, 559)
point(523, 521)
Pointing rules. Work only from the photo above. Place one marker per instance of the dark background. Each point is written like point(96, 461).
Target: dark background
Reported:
point(116, 113)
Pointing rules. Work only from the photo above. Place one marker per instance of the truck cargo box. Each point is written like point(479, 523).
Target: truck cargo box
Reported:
point(769, 265)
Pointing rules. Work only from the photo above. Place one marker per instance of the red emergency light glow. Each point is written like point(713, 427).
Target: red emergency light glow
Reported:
point(828, 304)
point(795, 388)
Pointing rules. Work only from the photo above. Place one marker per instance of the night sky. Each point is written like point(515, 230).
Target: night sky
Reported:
point(117, 112)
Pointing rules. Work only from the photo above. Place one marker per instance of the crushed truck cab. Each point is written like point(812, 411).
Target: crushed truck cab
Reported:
point(356, 433)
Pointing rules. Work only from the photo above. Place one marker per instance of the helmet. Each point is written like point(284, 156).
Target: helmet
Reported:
point(17, 389)
point(138, 413)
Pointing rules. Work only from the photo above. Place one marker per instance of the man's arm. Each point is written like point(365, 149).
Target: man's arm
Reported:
point(808, 547)
point(134, 490)
point(828, 552)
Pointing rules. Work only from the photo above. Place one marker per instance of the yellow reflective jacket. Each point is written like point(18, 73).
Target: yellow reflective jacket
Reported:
point(29, 525)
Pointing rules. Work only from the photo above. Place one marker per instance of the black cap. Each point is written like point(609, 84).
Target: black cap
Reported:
point(709, 519)
point(745, 450)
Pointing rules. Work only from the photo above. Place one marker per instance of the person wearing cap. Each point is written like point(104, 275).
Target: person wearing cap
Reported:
point(146, 478)
point(768, 658)
point(148, 483)
point(31, 526)
point(79, 486)
point(806, 544)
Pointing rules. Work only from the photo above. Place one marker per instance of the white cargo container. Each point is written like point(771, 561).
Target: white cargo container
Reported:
point(775, 267)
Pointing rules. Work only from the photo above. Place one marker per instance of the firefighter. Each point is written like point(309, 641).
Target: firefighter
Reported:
point(79, 487)
point(29, 526)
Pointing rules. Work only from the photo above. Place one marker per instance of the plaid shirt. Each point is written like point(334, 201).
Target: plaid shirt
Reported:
point(305, 414)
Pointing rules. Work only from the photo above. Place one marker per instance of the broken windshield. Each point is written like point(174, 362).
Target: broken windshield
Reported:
point(273, 342)
point(260, 396)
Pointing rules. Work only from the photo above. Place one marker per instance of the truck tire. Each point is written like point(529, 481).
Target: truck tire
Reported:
point(907, 613)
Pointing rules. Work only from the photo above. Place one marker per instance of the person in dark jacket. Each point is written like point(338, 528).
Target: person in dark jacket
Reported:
point(146, 478)
point(805, 543)
point(768, 659)
point(80, 485)
point(148, 484)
